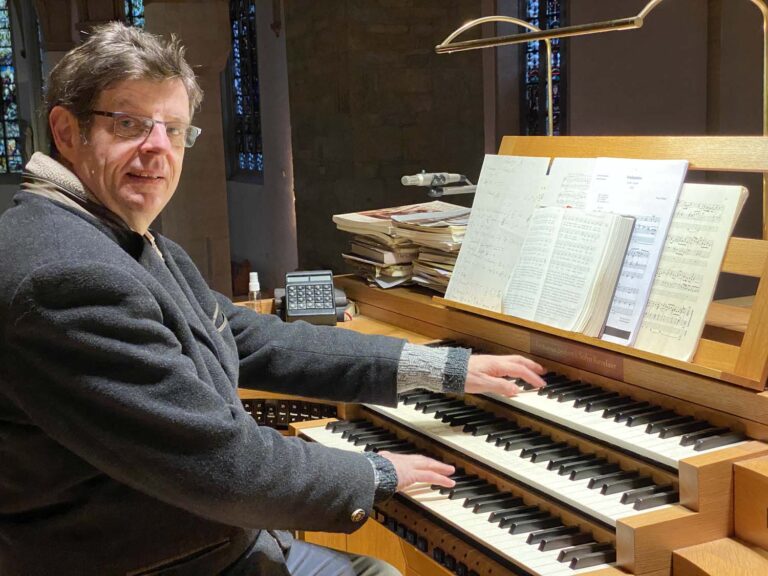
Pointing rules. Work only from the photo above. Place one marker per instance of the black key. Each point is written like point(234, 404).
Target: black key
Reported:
point(691, 437)
point(501, 425)
point(651, 416)
point(591, 399)
point(527, 452)
point(504, 503)
point(479, 421)
point(373, 437)
point(570, 553)
point(557, 389)
point(600, 480)
point(657, 499)
point(464, 484)
point(537, 440)
point(510, 428)
point(565, 541)
point(359, 428)
point(588, 462)
point(362, 433)
point(593, 559)
point(592, 471)
point(433, 407)
point(439, 399)
point(472, 501)
point(539, 535)
point(573, 393)
point(553, 377)
point(469, 492)
point(657, 426)
point(613, 411)
point(563, 382)
point(631, 496)
point(513, 519)
point(522, 433)
point(485, 427)
point(717, 441)
point(422, 544)
point(414, 392)
point(617, 486)
point(549, 454)
point(533, 524)
point(625, 413)
point(379, 447)
point(420, 397)
point(340, 425)
point(680, 429)
point(443, 413)
point(596, 405)
point(458, 478)
point(497, 515)
point(577, 459)
point(464, 418)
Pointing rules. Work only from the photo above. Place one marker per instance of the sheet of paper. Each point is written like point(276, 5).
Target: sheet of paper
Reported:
point(508, 190)
point(647, 190)
point(688, 270)
point(567, 183)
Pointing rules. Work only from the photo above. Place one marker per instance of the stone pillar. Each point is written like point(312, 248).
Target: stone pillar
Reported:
point(196, 217)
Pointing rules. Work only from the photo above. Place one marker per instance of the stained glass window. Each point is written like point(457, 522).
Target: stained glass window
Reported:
point(10, 133)
point(134, 12)
point(245, 87)
point(545, 14)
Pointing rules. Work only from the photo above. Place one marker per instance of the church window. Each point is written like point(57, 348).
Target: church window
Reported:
point(10, 132)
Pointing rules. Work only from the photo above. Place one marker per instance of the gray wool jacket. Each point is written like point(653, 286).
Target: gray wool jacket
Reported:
point(124, 446)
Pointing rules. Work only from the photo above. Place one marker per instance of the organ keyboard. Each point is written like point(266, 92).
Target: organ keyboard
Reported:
point(622, 459)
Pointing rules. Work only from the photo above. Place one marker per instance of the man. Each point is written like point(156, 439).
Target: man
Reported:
point(124, 446)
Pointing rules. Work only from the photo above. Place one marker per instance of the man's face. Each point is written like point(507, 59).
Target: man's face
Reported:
point(133, 177)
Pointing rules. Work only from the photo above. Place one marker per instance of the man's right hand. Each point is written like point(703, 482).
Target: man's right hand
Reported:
point(413, 468)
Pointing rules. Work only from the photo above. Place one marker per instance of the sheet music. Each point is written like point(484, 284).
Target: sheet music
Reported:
point(647, 190)
point(508, 190)
point(688, 270)
point(558, 263)
point(567, 184)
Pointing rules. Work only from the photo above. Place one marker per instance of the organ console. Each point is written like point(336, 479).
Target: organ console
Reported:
point(623, 463)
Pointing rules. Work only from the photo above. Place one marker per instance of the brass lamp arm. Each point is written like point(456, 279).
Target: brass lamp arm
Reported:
point(522, 24)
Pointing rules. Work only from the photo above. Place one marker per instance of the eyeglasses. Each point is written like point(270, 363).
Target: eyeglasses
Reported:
point(180, 134)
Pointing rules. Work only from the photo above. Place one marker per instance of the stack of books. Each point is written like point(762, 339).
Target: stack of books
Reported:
point(439, 236)
point(387, 243)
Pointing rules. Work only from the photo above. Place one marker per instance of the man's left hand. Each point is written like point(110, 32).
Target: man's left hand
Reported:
point(487, 373)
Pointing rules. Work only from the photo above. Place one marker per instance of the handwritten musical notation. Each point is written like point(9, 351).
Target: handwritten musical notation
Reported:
point(508, 190)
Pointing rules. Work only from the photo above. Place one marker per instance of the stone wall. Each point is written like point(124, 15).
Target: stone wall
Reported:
point(370, 101)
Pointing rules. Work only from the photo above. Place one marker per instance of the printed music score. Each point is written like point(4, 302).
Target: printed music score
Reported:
point(687, 275)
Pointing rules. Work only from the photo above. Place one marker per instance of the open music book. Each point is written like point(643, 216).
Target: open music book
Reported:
point(567, 268)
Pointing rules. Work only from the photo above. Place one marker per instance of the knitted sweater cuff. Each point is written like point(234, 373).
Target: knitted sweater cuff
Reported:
point(436, 369)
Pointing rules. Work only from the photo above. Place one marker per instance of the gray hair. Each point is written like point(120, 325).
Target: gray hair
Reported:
point(115, 52)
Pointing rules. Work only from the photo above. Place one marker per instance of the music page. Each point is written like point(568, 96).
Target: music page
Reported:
point(647, 190)
point(508, 190)
point(553, 280)
point(567, 184)
point(688, 270)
